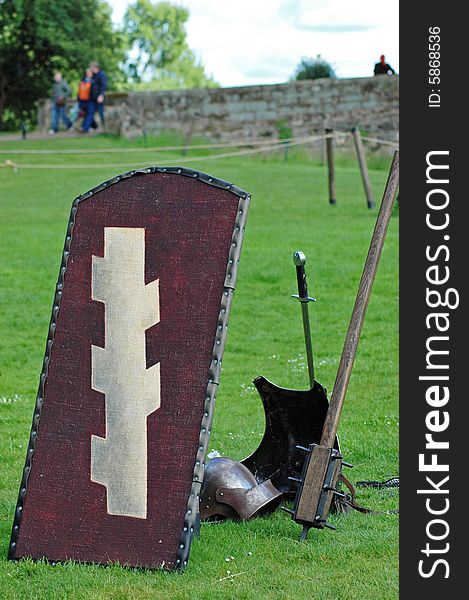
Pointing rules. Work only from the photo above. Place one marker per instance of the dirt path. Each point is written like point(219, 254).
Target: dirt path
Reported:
point(39, 135)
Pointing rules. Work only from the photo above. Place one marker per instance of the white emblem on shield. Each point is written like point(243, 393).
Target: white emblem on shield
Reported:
point(132, 392)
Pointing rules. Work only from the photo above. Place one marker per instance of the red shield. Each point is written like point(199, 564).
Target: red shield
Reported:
point(124, 409)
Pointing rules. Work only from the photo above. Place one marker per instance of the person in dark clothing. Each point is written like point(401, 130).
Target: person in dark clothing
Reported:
point(83, 97)
point(382, 68)
point(96, 101)
point(60, 93)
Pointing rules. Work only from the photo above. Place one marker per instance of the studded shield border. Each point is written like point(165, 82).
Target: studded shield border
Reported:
point(214, 367)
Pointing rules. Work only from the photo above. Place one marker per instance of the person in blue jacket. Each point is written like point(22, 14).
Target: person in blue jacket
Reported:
point(96, 101)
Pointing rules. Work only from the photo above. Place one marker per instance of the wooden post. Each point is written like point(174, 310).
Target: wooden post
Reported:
point(357, 138)
point(330, 166)
point(361, 303)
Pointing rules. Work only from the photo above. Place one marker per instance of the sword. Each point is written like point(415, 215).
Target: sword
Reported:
point(299, 260)
point(294, 418)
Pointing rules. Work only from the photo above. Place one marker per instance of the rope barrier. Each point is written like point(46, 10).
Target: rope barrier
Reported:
point(374, 140)
point(9, 164)
point(236, 144)
point(262, 146)
point(168, 161)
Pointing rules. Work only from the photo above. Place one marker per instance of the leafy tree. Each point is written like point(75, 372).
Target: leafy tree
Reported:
point(159, 56)
point(314, 68)
point(183, 74)
point(38, 37)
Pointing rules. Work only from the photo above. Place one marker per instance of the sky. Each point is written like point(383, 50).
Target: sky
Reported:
point(248, 42)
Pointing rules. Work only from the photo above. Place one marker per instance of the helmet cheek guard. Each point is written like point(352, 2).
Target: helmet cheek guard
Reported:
point(230, 490)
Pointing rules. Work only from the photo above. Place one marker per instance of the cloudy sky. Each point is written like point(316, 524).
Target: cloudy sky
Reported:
point(244, 42)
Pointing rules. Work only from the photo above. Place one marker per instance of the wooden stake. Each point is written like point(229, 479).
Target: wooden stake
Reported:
point(349, 351)
point(330, 166)
point(357, 138)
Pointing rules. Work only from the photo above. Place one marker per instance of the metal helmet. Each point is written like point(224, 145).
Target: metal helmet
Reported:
point(230, 490)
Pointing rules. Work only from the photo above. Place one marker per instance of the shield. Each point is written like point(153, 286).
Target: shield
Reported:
point(123, 414)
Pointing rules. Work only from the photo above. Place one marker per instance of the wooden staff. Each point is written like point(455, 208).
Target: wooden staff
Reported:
point(330, 166)
point(357, 138)
point(361, 303)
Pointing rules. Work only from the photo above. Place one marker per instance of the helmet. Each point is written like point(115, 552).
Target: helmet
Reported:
point(230, 490)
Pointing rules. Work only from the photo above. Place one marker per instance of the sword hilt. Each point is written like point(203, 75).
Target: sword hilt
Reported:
point(299, 260)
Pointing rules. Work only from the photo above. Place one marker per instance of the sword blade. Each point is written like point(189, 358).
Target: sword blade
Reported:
point(308, 341)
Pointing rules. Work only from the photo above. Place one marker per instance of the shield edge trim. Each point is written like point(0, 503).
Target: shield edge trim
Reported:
point(214, 370)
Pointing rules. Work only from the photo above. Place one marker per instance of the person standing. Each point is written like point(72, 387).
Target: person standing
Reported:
point(60, 93)
point(84, 92)
point(96, 101)
point(382, 68)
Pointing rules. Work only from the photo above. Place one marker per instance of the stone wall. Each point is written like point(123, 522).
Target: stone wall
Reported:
point(257, 112)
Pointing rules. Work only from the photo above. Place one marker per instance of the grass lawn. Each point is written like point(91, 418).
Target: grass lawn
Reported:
point(289, 211)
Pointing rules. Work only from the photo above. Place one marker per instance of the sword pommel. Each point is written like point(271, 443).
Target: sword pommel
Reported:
point(299, 258)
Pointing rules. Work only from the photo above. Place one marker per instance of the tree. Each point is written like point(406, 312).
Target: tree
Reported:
point(314, 68)
point(159, 56)
point(38, 37)
point(185, 73)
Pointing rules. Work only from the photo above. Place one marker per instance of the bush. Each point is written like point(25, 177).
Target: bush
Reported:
point(314, 68)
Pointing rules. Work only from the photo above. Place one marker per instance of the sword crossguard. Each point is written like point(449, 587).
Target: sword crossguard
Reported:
point(304, 299)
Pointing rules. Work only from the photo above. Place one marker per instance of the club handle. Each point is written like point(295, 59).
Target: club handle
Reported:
point(349, 351)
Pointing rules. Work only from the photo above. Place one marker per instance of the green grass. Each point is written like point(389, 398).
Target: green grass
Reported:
point(289, 211)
